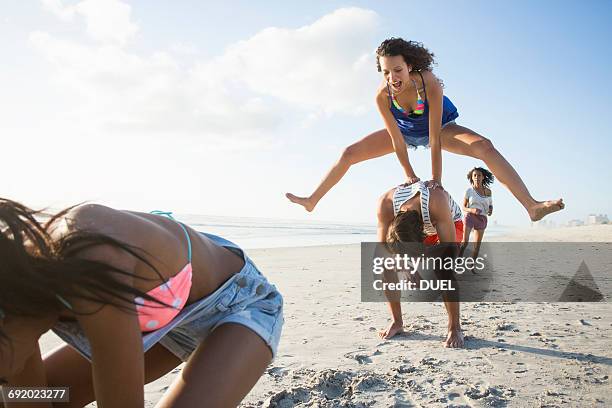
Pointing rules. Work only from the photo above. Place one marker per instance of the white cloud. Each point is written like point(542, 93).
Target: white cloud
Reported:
point(243, 94)
point(319, 66)
point(56, 7)
point(122, 91)
point(107, 21)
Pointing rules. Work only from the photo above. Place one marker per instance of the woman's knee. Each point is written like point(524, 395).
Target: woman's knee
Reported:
point(483, 148)
point(350, 155)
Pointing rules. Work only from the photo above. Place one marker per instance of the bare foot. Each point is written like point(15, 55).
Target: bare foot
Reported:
point(305, 202)
point(393, 329)
point(543, 208)
point(454, 339)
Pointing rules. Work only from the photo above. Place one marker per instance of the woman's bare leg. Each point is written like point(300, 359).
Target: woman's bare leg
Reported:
point(461, 140)
point(466, 239)
point(478, 234)
point(374, 145)
point(64, 367)
point(222, 370)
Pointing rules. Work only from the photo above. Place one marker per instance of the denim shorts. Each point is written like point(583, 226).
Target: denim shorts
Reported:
point(247, 298)
point(412, 142)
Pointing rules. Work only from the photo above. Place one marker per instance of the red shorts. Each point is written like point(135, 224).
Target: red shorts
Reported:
point(434, 239)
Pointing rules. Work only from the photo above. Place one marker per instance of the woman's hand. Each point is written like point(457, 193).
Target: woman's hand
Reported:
point(476, 211)
point(433, 184)
point(411, 180)
point(397, 139)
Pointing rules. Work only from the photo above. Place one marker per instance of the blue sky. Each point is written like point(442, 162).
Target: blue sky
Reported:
point(219, 108)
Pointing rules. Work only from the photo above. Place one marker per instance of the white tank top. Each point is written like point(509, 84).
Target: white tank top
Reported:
point(475, 200)
point(404, 193)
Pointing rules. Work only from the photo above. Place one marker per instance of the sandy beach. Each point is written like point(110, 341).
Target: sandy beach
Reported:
point(516, 354)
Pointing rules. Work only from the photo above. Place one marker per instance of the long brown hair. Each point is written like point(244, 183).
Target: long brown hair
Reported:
point(38, 273)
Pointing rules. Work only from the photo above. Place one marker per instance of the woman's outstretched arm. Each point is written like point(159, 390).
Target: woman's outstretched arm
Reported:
point(399, 145)
point(117, 355)
point(434, 96)
point(385, 218)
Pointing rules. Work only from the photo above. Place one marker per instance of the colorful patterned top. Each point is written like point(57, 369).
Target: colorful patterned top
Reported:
point(174, 292)
point(414, 126)
point(420, 105)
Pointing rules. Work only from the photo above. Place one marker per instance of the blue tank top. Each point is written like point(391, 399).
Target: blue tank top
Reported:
point(417, 126)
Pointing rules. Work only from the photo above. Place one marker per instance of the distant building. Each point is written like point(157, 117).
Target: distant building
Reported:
point(575, 223)
point(594, 219)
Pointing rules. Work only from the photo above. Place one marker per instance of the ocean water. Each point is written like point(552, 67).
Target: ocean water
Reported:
point(278, 233)
point(251, 232)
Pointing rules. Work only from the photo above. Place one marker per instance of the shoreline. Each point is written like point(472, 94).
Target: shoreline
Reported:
point(583, 233)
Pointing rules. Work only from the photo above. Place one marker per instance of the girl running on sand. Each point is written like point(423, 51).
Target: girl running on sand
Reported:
point(477, 205)
point(134, 295)
point(416, 113)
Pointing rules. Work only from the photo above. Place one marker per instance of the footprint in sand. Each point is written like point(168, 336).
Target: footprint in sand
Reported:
point(492, 396)
point(406, 369)
point(277, 372)
point(361, 358)
point(504, 327)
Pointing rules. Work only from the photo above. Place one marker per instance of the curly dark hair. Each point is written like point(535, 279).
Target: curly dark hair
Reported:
point(407, 226)
point(487, 176)
point(414, 53)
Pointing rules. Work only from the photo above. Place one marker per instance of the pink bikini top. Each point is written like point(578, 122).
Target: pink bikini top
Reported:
point(175, 292)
